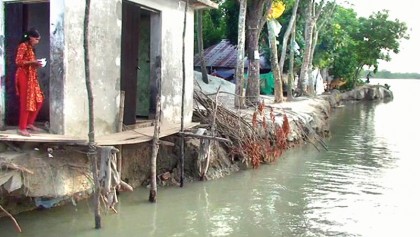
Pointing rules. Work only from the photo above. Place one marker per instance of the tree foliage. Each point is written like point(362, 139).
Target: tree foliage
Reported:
point(377, 37)
point(367, 41)
point(346, 43)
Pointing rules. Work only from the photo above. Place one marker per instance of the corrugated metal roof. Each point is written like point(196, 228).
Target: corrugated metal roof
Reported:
point(224, 55)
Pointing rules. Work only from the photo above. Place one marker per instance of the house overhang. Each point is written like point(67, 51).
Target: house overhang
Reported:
point(24, 1)
point(196, 4)
point(204, 4)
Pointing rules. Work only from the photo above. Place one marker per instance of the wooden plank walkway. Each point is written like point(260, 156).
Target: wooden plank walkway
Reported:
point(138, 135)
point(11, 135)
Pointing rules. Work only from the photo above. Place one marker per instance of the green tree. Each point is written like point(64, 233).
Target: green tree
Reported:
point(214, 26)
point(230, 9)
point(367, 41)
point(336, 48)
point(377, 37)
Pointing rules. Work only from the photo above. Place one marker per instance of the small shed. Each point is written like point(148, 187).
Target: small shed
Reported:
point(221, 60)
point(133, 43)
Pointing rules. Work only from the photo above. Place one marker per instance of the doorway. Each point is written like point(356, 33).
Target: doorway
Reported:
point(140, 61)
point(19, 17)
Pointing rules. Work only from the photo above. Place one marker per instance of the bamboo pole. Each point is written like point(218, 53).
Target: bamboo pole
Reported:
point(183, 96)
point(92, 153)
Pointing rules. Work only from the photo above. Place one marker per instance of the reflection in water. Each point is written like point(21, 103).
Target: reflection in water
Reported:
point(365, 185)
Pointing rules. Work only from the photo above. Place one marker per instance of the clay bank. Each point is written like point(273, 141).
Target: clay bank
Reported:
point(134, 45)
point(49, 174)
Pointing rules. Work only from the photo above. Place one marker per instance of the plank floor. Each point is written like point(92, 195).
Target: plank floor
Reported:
point(138, 135)
point(12, 135)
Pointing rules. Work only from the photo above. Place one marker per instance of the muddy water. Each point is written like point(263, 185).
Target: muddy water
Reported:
point(365, 185)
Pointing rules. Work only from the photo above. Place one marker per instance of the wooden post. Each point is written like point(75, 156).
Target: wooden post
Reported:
point(119, 129)
point(92, 154)
point(155, 148)
point(183, 96)
point(121, 112)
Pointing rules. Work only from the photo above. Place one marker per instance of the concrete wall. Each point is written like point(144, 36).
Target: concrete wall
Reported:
point(105, 41)
point(172, 20)
point(57, 66)
point(104, 49)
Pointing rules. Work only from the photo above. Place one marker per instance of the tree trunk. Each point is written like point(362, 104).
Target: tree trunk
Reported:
point(311, 20)
point(256, 19)
point(286, 36)
point(252, 39)
point(92, 154)
point(315, 35)
point(291, 64)
point(303, 78)
point(311, 88)
point(200, 46)
point(278, 88)
point(240, 63)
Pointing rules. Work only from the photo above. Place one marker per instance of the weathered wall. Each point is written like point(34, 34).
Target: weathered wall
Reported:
point(68, 96)
point(57, 72)
point(2, 66)
point(172, 20)
point(104, 49)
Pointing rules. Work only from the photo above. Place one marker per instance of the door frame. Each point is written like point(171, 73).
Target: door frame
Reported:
point(128, 80)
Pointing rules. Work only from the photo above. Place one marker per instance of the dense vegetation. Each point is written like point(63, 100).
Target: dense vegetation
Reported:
point(345, 43)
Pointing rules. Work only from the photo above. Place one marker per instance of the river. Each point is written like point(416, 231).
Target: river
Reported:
point(366, 184)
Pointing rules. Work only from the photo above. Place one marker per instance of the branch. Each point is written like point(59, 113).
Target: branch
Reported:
point(264, 17)
point(16, 167)
point(13, 219)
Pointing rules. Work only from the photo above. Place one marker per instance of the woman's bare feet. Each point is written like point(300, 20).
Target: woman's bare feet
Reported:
point(33, 128)
point(24, 132)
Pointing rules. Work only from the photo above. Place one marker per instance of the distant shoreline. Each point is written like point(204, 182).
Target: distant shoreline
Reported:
point(392, 75)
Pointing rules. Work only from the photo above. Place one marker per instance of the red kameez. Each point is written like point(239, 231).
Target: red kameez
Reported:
point(27, 86)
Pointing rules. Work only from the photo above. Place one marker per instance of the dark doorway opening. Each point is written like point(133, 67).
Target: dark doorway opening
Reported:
point(140, 50)
point(19, 17)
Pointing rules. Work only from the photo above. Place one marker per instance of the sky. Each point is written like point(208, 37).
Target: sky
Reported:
point(407, 60)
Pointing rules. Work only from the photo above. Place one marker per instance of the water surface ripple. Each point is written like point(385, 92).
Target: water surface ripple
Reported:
point(366, 184)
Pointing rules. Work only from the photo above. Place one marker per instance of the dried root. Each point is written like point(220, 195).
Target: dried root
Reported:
point(260, 140)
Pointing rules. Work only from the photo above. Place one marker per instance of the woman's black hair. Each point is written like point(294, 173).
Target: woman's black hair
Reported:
point(30, 33)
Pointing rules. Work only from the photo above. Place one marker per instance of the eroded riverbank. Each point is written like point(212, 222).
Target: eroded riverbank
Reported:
point(63, 179)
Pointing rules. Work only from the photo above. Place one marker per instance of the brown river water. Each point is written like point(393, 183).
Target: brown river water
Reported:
point(366, 184)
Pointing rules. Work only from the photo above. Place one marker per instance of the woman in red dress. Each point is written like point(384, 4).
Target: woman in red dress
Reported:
point(27, 86)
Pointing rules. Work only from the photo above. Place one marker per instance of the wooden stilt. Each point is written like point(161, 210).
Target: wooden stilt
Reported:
point(155, 148)
point(183, 96)
point(92, 154)
point(119, 129)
